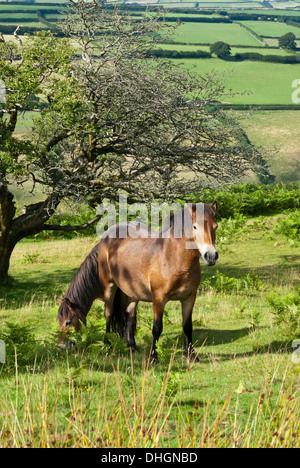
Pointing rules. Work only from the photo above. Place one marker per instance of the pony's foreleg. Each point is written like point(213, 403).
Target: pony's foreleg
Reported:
point(158, 310)
point(187, 325)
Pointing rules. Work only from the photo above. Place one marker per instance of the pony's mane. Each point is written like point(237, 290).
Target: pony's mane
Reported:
point(85, 285)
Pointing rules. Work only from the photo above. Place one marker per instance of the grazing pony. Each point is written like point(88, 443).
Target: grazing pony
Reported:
point(82, 292)
point(145, 266)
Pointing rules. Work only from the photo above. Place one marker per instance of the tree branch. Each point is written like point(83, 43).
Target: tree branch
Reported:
point(68, 227)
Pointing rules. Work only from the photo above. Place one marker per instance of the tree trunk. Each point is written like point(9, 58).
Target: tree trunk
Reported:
point(12, 229)
point(7, 213)
point(31, 222)
point(6, 249)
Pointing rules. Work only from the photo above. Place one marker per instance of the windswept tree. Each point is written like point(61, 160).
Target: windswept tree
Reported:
point(106, 117)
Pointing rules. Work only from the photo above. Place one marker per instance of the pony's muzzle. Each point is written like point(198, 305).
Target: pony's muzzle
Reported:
point(210, 257)
point(68, 323)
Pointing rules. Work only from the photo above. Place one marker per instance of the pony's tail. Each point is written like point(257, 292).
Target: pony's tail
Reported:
point(119, 316)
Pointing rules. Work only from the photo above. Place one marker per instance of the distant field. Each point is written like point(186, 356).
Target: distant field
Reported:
point(267, 83)
point(208, 33)
point(278, 131)
point(271, 28)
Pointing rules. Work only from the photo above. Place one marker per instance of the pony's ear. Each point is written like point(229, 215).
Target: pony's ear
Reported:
point(214, 206)
point(59, 301)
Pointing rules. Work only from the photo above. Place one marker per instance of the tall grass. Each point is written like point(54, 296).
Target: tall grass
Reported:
point(32, 415)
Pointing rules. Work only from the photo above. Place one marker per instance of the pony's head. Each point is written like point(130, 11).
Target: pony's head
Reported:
point(204, 229)
point(69, 315)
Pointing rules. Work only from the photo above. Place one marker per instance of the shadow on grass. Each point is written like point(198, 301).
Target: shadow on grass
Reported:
point(274, 274)
point(19, 290)
point(219, 337)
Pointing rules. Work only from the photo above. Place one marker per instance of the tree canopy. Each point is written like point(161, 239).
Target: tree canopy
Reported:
point(221, 49)
point(288, 41)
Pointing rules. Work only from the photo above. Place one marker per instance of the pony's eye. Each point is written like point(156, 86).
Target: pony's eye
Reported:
point(195, 227)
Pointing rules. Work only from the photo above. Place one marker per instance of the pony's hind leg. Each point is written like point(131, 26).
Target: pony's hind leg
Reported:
point(130, 324)
point(109, 297)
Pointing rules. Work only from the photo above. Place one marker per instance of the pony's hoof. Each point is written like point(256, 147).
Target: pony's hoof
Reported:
point(193, 359)
point(153, 358)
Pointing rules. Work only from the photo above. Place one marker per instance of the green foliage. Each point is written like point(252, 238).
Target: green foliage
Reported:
point(225, 284)
point(166, 350)
point(20, 343)
point(254, 200)
point(170, 384)
point(31, 258)
point(117, 345)
point(66, 215)
point(230, 227)
point(235, 204)
point(289, 227)
point(286, 311)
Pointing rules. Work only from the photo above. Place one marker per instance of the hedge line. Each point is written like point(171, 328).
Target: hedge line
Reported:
point(244, 199)
point(239, 57)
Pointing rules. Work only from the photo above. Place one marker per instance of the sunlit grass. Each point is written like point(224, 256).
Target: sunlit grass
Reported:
point(244, 392)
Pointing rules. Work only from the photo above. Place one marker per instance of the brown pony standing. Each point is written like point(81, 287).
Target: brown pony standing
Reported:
point(158, 268)
point(144, 266)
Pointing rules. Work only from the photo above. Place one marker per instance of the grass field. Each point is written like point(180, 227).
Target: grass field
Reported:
point(277, 132)
point(243, 393)
point(264, 83)
point(203, 33)
point(271, 28)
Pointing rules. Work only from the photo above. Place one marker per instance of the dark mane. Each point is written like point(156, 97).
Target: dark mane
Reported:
point(85, 286)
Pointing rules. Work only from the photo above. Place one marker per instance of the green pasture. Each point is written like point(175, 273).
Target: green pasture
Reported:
point(244, 392)
point(261, 83)
point(209, 33)
point(271, 28)
point(269, 12)
point(277, 132)
point(26, 6)
point(19, 16)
